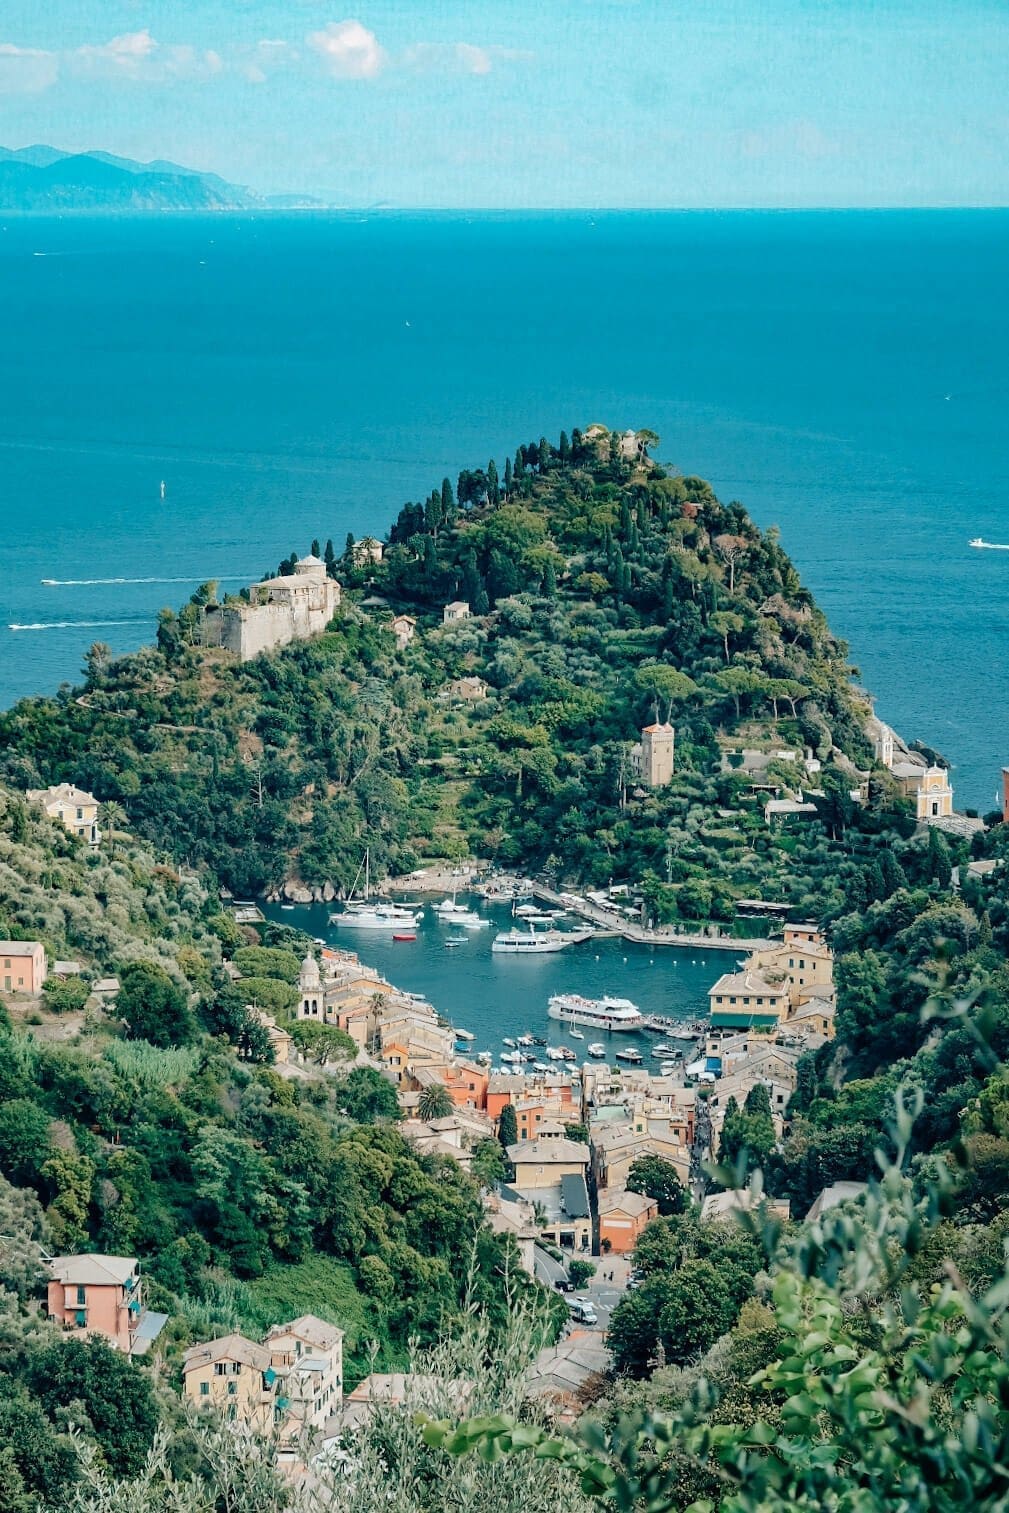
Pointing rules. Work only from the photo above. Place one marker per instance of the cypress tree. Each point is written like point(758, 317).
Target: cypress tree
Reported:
point(550, 582)
point(348, 549)
point(330, 558)
point(507, 1126)
point(507, 477)
point(316, 549)
point(493, 487)
point(543, 454)
point(564, 449)
point(447, 502)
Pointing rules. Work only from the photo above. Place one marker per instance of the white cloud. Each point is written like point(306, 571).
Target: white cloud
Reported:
point(349, 50)
point(473, 60)
point(459, 57)
point(26, 70)
point(137, 55)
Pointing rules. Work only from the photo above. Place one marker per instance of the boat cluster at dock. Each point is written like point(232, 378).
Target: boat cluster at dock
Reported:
point(534, 934)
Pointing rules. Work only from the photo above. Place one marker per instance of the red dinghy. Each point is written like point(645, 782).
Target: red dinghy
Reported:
point(404, 937)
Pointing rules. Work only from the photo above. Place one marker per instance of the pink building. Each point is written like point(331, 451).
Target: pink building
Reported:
point(94, 1294)
point(22, 966)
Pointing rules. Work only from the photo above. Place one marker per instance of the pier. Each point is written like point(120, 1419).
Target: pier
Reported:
point(613, 924)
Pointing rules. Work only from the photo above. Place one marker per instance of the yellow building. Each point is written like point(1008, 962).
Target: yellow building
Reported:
point(934, 798)
point(741, 1000)
point(72, 807)
point(291, 1383)
point(658, 744)
point(235, 1376)
point(544, 1161)
point(806, 969)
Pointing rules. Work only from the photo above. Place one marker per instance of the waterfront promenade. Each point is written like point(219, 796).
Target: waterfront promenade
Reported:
point(611, 922)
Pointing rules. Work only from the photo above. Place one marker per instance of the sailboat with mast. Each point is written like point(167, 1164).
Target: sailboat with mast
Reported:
point(364, 914)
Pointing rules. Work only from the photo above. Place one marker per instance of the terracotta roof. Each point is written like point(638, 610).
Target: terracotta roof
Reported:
point(230, 1347)
point(310, 1328)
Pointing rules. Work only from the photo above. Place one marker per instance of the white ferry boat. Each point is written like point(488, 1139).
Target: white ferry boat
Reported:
point(600, 1013)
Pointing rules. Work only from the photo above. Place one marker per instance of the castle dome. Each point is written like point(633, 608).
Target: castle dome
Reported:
point(310, 976)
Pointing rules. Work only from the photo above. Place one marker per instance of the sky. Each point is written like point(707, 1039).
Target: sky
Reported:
point(530, 103)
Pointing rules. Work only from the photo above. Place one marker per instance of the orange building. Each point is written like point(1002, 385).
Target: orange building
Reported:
point(622, 1217)
point(465, 1084)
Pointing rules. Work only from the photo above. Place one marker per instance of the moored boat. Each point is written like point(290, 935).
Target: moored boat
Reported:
point(606, 1013)
point(597, 1049)
point(629, 1054)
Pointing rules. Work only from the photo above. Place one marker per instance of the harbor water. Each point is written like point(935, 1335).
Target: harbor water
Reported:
point(493, 995)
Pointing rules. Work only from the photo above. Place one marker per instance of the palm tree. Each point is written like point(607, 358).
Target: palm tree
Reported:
point(434, 1103)
point(111, 815)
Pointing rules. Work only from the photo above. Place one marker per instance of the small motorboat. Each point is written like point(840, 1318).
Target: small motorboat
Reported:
point(450, 945)
point(663, 1051)
point(405, 935)
point(287, 906)
point(630, 1055)
point(597, 1049)
point(505, 1041)
point(512, 1057)
point(484, 1057)
point(464, 1035)
point(526, 1040)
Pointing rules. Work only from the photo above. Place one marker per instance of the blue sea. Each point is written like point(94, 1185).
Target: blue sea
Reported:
point(843, 374)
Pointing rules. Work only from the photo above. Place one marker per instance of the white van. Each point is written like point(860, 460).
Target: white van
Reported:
point(582, 1310)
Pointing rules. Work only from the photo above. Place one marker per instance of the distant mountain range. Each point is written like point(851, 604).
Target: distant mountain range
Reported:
point(36, 180)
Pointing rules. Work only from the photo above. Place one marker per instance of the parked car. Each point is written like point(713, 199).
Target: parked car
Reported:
point(563, 1284)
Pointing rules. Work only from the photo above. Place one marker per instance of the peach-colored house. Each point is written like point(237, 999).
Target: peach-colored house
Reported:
point(22, 966)
point(95, 1294)
point(622, 1217)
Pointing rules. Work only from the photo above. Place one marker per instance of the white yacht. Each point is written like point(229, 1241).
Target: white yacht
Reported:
point(599, 1013)
point(375, 916)
point(363, 914)
point(597, 1049)
point(631, 1055)
point(531, 943)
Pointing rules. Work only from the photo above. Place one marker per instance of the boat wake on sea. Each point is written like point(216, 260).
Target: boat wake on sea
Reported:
point(107, 582)
point(989, 546)
point(75, 624)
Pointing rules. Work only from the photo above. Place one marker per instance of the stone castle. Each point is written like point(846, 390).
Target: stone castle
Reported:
point(280, 610)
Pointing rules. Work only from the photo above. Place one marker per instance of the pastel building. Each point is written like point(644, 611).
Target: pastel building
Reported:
point(72, 807)
point(934, 798)
point(457, 610)
point(289, 1385)
point(622, 1217)
point(102, 1295)
point(744, 1000)
point(22, 966)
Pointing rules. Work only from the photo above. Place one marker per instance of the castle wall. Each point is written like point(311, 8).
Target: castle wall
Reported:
point(281, 612)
